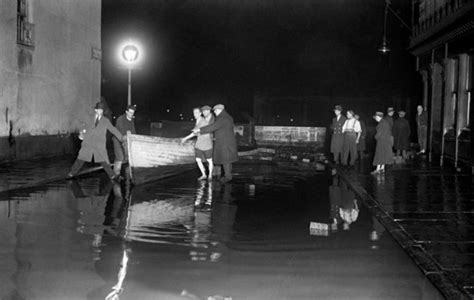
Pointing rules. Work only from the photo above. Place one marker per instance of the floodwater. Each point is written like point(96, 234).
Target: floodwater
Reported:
point(276, 232)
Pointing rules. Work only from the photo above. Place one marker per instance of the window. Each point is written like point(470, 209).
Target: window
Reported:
point(25, 28)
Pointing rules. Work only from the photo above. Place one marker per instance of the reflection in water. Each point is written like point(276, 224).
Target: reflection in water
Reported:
point(344, 206)
point(181, 237)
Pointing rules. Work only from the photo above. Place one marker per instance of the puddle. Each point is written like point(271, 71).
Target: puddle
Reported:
point(274, 233)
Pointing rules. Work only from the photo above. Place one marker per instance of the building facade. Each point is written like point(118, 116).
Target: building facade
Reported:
point(50, 74)
point(443, 43)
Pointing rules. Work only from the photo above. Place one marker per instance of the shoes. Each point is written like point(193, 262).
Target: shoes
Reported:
point(69, 176)
point(203, 177)
point(376, 172)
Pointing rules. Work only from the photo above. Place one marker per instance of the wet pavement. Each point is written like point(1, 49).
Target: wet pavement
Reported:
point(430, 213)
point(279, 231)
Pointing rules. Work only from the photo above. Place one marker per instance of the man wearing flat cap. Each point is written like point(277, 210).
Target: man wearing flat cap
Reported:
point(225, 145)
point(337, 138)
point(125, 124)
point(93, 144)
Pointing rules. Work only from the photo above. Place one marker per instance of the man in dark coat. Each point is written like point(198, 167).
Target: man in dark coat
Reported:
point(225, 145)
point(361, 144)
point(401, 135)
point(93, 144)
point(422, 128)
point(383, 149)
point(337, 139)
point(124, 124)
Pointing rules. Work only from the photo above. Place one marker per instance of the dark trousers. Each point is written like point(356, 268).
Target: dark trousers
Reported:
point(79, 163)
point(422, 133)
point(227, 170)
point(350, 147)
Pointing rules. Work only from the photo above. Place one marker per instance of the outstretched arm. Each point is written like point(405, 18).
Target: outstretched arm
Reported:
point(189, 136)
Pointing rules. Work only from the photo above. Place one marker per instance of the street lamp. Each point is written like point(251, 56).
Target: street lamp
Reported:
point(130, 55)
point(384, 48)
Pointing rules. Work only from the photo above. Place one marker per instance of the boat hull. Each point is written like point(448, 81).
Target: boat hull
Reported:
point(152, 158)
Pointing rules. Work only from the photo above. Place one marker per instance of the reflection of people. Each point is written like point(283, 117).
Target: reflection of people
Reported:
point(401, 135)
point(124, 124)
point(225, 146)
point(203, 146)
point(422, 127)
point(351, 130)
point(337, 139)
point(92, 211)
point(93, 144)
point(349, 210)
point(383, 149)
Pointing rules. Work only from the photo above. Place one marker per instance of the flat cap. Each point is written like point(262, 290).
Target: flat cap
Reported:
point(338, 107)
point(132, 107)
point(219, 106)
point(379, 114)
point(206, 107)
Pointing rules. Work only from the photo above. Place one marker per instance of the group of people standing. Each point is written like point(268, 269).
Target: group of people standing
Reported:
point(215, 141)
point(392, 134)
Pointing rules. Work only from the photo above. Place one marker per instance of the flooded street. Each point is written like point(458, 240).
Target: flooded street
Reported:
point(275, 232)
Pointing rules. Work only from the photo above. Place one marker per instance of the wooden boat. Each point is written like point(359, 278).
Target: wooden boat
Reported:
point(152, 158)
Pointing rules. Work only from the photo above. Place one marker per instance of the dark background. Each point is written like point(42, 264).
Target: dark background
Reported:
point(214, 51)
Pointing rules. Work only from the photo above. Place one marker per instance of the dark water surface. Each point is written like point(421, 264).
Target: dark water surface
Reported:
point(184, 239)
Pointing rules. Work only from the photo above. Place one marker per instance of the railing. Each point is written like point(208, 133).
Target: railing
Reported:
point(441, 13)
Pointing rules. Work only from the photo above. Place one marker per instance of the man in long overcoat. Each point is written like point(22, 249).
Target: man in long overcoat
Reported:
point(401, 135)
point(225, 145)
point(337, 139)
point(93, 144)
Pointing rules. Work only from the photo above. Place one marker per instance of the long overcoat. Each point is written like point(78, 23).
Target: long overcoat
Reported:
point(225, 145)
point(337, 138)
point(401, 134)
point(93, 145)
point(383, 150)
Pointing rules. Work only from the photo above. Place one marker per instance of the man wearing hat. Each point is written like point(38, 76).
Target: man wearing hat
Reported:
point(93, 144)
point(389, 116)
point(125, 124)
point(203, 146)
point(401, 135)
point(383, 150)
point(225, 145)
point(337, 139)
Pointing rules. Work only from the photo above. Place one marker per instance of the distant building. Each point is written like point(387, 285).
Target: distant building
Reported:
point(50, 73)
point(443, 43)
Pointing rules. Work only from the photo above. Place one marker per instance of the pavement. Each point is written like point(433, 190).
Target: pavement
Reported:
point(429, 211)
point(426, 209)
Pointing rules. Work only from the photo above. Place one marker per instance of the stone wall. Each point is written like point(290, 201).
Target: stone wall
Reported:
point(48, 89)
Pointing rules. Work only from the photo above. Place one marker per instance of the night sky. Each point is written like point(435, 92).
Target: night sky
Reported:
point(223, 51)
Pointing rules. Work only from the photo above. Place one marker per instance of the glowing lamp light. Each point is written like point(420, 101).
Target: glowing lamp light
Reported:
point(130, 53)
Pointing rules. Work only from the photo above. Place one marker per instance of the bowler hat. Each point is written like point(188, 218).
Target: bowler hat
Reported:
point(205, 107)
point(99, 105)
point(338, 107)
point(218, 106)
point(390, 109)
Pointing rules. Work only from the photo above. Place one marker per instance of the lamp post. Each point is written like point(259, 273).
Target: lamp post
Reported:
point(130, 55)
point(384, 48)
